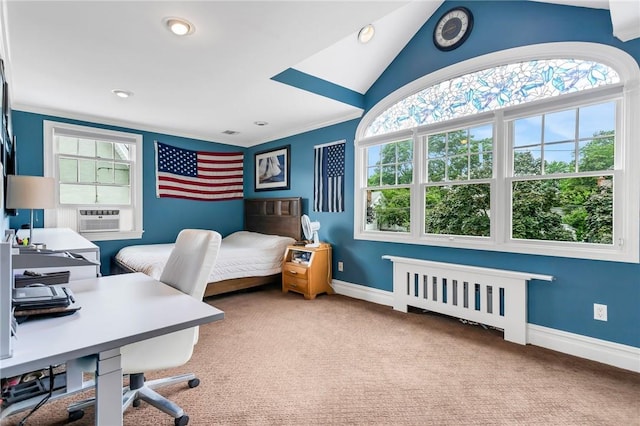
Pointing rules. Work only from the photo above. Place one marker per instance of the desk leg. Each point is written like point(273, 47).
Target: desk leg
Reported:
point(74, 376)
point(75, 371)
point(109, 389)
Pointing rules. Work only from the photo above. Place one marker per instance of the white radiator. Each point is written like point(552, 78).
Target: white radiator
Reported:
point(493, 297)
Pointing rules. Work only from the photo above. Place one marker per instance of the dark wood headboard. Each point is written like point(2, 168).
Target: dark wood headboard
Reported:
point(274, 216)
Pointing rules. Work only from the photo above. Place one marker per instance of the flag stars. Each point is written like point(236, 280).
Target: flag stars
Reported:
point(335, 160)
point(178, 161)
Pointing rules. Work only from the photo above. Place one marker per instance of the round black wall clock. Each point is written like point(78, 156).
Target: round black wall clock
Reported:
point(453, 28)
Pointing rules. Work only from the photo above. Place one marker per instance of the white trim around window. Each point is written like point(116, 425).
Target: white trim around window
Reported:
point(626, 215)
point(66, 215)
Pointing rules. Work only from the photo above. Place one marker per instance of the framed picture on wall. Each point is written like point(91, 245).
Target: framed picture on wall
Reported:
point(6, 114)
point(6, 124)
point(272, 169)
point(10, 168)
point(6, 151)
point(3, 102)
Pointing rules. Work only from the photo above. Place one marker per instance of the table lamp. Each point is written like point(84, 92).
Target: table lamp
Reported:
point(30, 192)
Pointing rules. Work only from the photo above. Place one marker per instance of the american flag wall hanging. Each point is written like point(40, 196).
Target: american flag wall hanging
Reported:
point(198, 175)
point(328, 177)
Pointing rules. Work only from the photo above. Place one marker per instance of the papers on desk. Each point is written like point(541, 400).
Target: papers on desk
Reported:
point(29, 258)
point(41, 296)
point(42, 301)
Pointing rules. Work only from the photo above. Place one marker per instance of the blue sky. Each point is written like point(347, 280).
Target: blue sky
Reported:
point(561, 126)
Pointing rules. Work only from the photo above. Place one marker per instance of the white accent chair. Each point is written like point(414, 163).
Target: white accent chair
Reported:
point(188, 269)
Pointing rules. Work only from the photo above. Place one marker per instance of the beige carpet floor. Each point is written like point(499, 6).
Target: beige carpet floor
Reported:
point(278, 359)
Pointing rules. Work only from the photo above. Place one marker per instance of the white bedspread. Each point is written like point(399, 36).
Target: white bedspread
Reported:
point(242, 254)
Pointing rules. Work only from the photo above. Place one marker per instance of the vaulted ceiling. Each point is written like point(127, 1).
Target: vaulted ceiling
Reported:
point(66, 57)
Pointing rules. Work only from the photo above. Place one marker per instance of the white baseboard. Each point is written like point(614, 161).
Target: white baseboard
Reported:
point(374, 295)
point(615, 354)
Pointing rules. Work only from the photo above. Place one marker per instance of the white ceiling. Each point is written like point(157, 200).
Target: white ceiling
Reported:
point(65, 57)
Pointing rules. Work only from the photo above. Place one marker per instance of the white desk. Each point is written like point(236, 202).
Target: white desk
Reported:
point(116, 310)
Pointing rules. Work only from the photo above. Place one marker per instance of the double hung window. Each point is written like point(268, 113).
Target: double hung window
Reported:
point(388, 192)
point(457, 184)
point(99, 175)
point(562, 175)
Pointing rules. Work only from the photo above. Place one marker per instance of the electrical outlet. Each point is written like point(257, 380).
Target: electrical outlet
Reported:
point(340, 266)
point(599, 312)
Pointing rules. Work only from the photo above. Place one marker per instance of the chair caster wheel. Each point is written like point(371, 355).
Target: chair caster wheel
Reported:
point(136, 402)
point(182, 421)
point(193, 383)
point(75, 415)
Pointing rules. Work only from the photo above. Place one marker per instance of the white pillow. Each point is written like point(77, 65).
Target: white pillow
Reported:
point(257, 240)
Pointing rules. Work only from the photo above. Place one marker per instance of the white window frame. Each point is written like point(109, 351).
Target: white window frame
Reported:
point(381, 187)
point(66, 215)
point(626, 247)
point(449, 126)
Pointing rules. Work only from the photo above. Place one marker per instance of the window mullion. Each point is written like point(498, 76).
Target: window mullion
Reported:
point(543, 145)
point(468, 177)
point(417, 195)
point(577, 139)
point(500, 199)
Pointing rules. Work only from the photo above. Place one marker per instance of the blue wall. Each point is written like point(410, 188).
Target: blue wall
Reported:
point(163, 217)
point(565, 304)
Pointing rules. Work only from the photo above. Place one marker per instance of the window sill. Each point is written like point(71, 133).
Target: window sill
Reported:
point(108, 236)
point(624, 255)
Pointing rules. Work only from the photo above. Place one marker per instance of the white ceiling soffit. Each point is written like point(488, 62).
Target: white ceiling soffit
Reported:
point(625, 17)
point(625, 14)
point(594, 4)
point(369, 60)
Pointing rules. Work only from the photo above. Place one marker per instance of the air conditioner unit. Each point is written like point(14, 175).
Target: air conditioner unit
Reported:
point(98, 220)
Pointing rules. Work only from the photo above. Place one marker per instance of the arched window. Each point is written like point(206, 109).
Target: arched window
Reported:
point(492, 89)
point(530, 155)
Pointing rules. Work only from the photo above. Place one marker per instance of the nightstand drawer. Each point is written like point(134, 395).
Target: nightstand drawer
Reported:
point(295, 270)
point(295, 284)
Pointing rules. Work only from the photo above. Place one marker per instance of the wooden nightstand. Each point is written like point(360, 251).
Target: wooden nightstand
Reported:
point(307, 270)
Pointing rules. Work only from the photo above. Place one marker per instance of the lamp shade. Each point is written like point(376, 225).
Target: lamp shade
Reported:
point(30, 192)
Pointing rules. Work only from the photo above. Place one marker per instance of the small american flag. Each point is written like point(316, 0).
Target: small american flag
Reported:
point(328, 177)
point(198, 175)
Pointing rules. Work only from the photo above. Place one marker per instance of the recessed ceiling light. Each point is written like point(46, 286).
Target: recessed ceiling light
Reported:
point(122, 93)
point(366, 34)
point(260, 123)
point(179, 26)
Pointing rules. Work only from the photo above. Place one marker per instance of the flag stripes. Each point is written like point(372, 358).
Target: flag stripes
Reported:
point(198, 175)
point(328, 177)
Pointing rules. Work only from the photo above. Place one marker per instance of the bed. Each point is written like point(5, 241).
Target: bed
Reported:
point(248, 258)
